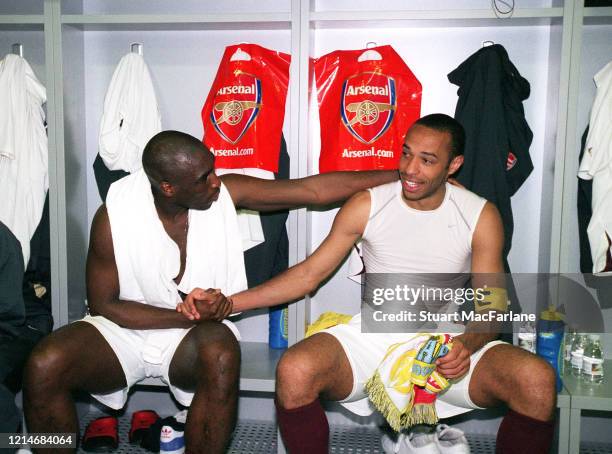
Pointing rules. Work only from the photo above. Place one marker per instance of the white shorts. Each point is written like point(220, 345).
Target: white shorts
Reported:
point(142, 354)
point(365, 351)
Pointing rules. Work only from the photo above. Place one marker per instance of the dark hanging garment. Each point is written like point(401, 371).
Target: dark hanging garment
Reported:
point(105, 177)
point(12, 311)
point(497, 161)
point(271, 257)
point(37, 277)
point(17, 337)
point(585, 211)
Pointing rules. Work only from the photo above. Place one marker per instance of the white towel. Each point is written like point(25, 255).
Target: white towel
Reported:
point(249, 221)
point(148, 259)
point(597, 165)
point(131, 115)
point(24, 155)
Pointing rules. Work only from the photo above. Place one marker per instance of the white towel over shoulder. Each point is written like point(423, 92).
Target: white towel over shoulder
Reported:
point(148, 259)
point(24, 154)
point(249, 222)
point(131, 115)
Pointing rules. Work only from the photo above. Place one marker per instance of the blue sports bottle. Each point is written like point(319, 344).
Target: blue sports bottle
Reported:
point(278, 324)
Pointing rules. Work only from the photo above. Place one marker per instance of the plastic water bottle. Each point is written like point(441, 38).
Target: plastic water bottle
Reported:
point(592, 361)
point(577, 354)
point(278, 327)
point(550, 330)
point(568, 341)
point(527, 337)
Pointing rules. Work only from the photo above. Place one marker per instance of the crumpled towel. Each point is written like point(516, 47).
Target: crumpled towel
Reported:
point(405, 385)
point(327, 320)
point(249, 221)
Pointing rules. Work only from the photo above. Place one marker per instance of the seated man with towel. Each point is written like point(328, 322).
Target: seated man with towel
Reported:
point(420, 224)
point(163, 231)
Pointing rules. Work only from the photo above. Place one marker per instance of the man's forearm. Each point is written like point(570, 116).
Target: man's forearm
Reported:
point(134, 315)
point(288, 286)
point(337, 186)
point(491, 286)
point(317, 190)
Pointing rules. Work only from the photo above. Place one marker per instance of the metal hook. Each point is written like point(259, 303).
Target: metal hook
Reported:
point(136, 48)
point(18, 49)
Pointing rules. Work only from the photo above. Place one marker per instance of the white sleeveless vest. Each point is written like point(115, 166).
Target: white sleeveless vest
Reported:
point(400, 239)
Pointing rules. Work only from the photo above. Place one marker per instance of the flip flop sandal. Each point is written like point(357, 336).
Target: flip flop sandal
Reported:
point(150, 440)
point(101, 435)
point(141, 421)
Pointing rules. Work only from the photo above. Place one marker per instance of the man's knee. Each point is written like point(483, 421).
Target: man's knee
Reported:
point(537, 380)
point(46, 369)
point(296, 376)
point(218, 354)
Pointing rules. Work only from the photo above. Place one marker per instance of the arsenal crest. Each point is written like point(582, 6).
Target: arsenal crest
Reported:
point(368, 105)
point(236, 106)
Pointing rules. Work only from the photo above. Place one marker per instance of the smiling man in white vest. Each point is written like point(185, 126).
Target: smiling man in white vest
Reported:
point(420, 224)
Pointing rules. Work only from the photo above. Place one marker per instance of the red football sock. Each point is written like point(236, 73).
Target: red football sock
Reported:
point(520, 434)
point(305, 429)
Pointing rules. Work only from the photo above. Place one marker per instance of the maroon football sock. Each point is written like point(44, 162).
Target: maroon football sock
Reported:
point(520, 434)
point(304, 429)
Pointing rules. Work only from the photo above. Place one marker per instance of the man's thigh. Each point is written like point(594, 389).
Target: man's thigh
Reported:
point(80, 355)
point(362, 353)
point(459, 395)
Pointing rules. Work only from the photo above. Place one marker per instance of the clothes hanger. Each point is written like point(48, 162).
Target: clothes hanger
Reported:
point(240, 55)
point(370, 54)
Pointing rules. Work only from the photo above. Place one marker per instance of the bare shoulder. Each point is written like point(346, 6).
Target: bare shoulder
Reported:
point(489, 228)
point(101, 221)
point(488, 242)
point(101, 240)
point(359, 201)
point(355, 212)
point(489, 217)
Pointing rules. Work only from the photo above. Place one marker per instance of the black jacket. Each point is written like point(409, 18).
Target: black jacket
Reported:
point(497, 161)
point(12, 309)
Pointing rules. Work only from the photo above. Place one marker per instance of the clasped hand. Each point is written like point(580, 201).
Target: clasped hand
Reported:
point(456, 362)
point(209, 304)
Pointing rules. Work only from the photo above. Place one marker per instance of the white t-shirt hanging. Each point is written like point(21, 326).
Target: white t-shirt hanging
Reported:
point(596, 165)
point(131, 115)
point(23, 150)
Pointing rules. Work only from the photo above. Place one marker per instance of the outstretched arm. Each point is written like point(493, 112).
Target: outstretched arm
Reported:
point(103, 288)
point(487, 271)
point(271, 195)
point(305, 277)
